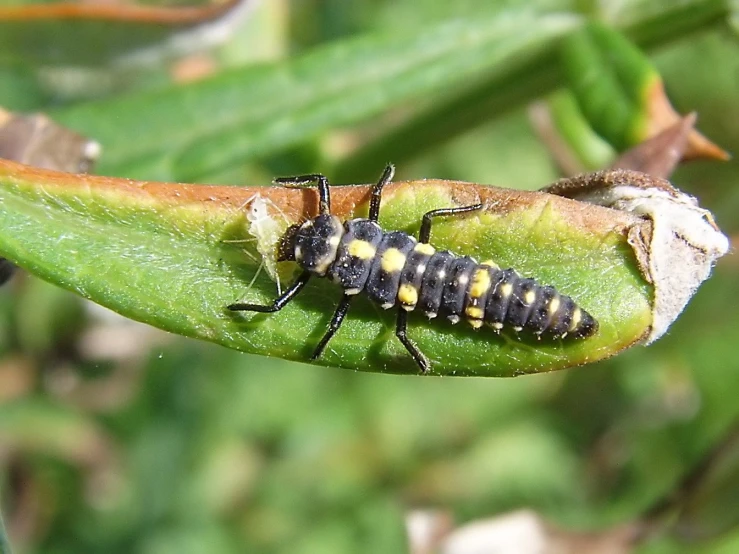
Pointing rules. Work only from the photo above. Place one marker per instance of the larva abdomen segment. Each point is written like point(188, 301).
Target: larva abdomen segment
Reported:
point(499, 296)
point(477, 295)
point(456, 289)
point(411, 277)
point(392, 257)
point(433, 283)
point(523, 296)
point(355, 255)
point(543, 309)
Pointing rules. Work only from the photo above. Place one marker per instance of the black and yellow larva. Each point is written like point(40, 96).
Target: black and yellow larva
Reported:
point(392, 267)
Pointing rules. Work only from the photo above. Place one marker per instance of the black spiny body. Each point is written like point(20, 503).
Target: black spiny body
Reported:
point(393, 268)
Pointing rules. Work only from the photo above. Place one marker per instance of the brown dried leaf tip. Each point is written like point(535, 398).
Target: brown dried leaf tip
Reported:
point(34, 139)
point(676, 245)
point(660, 155)
point(661, 116)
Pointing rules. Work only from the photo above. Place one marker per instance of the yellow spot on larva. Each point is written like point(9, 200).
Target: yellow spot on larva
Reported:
point(529, 297)
point(474, 312)
point(490, 263)
point(407, 295)
point(476, 323)
point(393, 260)
point(480, 283)
point(554, 305)
point(506, 289)
point(425, 248)
point(576, 317)
point(361, 249)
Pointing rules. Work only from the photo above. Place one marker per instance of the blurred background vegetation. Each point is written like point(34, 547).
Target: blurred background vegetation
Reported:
point(115, 437)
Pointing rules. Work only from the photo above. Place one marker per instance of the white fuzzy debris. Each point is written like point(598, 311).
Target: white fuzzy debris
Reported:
point(267, 230)
point(522, 532)
point(684, 244)
point(191, 39)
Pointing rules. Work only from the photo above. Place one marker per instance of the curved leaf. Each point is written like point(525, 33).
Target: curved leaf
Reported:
point(621, 93)
point(174, 256)
point(609, 77)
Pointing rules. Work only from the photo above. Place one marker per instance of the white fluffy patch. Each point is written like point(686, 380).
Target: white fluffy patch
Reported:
point(684, 245)
point(267, 230)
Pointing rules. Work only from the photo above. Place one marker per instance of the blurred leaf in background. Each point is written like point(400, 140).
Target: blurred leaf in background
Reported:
point(119, 438)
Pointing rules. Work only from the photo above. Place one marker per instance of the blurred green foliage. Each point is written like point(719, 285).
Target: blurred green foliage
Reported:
point(117, 438)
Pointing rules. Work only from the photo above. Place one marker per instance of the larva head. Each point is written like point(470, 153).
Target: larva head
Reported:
point(315, 242)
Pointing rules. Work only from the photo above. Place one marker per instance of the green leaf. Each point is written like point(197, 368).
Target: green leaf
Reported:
point(651, 22)
point(184, 133)
point(611, 80)
point(467, 71)
point(174, 256)
point(519, 80)
point(589, 148)
point(620, 92)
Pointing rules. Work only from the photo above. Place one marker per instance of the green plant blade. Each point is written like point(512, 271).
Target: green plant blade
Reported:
point(611, 80)
point(576, 133)
point(174, 256)
point(519, 80)
point(467, 70)
point(185, 133)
